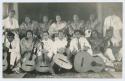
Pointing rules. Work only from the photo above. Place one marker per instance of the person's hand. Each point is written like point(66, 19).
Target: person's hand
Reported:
point(74, 52)
point(61, 50)
point(86, 48)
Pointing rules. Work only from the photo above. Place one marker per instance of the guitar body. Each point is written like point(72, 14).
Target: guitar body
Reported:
point(29, 65)
point(5, 63)
point(41, 66)
point(84, 62)
point(62, 61)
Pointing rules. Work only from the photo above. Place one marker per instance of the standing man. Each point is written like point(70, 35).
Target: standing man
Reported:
point(113, 22)
point(11, 24)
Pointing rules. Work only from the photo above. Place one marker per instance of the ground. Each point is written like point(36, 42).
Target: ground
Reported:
point(66, 75)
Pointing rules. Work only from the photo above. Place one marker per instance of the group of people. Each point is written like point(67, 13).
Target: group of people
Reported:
point(61, 37)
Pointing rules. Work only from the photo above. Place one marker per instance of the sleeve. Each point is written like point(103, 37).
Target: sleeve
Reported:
point(73, 46)
point(17, 24)
point(104, 28)
point(4, 23)
point(87, 44)
point(22, 46)
point(119, 23)
point(51, 29)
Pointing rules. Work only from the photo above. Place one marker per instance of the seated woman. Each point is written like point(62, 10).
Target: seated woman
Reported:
point(27, 43)
point(60, 43)
point(56, 26)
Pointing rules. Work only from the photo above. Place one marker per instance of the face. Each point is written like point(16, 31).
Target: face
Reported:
point(94, 34)
point(41, 35)
point(91, 17)
point(10, 38)
point(77, 34)
point(27, 19)
point(11, 14)
point(58, 18)
point(45, 19)
point(71, 31)
point(45, 36)
point(61, 35)
point(29, 35)
point(75, 17)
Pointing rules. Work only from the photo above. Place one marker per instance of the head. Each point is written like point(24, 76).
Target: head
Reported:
point(45, 19)
point(45, 35)
point(77, 34)
point(11, 13)
point(58, 18)
point(94, 34)
point(10, 36)
point(75, 17)
point(27, 19)
point(71, 31)
point(92, 17)
point(61, 34)
point(29, 34)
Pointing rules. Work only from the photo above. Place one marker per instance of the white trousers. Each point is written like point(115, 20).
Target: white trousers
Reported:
point(14, 57)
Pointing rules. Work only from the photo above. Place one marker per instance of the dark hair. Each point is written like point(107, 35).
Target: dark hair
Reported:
point(77, 31)
point(95, 32)
point(46, 32)
point(29, 31)
point(9, 33)
point(61, 31)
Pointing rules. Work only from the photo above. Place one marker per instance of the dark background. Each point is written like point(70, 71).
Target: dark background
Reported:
point(36, 10)
point(66, 10)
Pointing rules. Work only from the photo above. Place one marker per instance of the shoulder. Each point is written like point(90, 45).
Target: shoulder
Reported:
point(23, 39)
point(5, 19)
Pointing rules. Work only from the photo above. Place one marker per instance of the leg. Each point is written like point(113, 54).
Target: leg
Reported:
point(50, 64)
point(109, 54)
point(106, 60)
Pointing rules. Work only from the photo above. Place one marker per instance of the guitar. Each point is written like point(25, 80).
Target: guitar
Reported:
point(84, 62)
point(62, 61)
point(5, 63)
point(29, 60)
point(5, 52)
point(41, 65)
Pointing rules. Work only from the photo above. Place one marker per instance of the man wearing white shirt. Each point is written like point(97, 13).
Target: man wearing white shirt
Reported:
point(45, 46)
point(11, 24)
point(14, 50)
point(79, 42)
point(60, 43)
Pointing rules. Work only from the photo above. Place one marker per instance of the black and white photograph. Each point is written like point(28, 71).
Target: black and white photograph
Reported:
point(62, 40)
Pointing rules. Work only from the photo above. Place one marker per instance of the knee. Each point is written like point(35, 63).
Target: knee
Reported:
point(108, 51)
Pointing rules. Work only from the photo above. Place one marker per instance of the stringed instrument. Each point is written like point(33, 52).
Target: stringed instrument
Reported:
point(41, 65)
point(62, 61)
point(84, 62)
point(29, 60)
point(5, 52)
point(5, 63)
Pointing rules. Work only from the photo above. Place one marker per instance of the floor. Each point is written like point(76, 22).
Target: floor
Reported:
point(66, 75)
